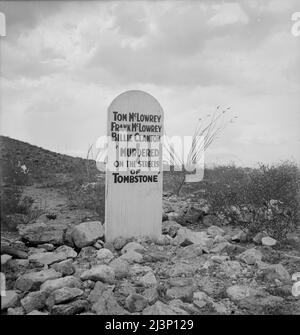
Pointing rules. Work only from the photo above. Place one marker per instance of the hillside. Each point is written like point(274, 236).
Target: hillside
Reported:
point(41, 163)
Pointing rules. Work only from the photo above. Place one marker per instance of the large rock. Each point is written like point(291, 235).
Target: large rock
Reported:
point(34, 301)
point(136, 303)
point(103, 273)
point(39, 233)
point(108, 305)
point(32, 281)
point(10, 299)
point(55, 284)
point(87, 233)
point(250, 256)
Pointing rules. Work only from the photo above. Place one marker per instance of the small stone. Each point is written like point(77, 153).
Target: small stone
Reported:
point(40, 233)
point(239, 292)
point(163, 240)
point(231, 269)
point(65, 294)
point(136, 303)
point(219, 259)
point(34, 301)
point(47, 258)
point(148, 280)
point(68, 251)
point(109, 246)
point(33, 280)
point(103, 273)
point(138, 270)
point(184, 293)
point(268, 241)
point(215, 230)
point(10, 299)
point(5, 259)
point(170, 228)
point(38, 313)
point(33, 251)
point(151, 295)
point(15, 311)
point(132, 256)
point(276, 271)
point(98, 291)
point(258, 237)
point(160, 308)
point(250, 256)
point(66, 268)
point(104, 256)
point(120, 267)
point(74, 307)
point(46, 246)
point(220, 247)
point(55, 284)
point(241, 236)
point(132, 246)
point(119, 243)
point(97, 245)
point(87, 253)
point(108, 305)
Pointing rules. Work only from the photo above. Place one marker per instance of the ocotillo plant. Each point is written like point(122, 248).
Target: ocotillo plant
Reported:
point(206, 132)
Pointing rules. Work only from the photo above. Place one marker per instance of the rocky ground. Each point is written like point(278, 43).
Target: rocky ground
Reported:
point(62, 265)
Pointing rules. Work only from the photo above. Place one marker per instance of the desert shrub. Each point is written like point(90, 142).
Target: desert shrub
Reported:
point(244, 196)
point(273, 218)
point(15, 209)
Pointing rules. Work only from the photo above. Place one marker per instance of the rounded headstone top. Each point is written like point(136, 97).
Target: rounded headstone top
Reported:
point(135, 97)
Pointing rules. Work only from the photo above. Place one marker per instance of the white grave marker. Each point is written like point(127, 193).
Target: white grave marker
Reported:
point(133, 201)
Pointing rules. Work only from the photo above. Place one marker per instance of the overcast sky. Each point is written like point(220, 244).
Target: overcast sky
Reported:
point(62, 63)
